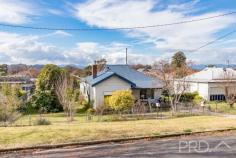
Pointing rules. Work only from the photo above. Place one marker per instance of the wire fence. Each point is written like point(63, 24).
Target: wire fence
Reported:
point(141, 113)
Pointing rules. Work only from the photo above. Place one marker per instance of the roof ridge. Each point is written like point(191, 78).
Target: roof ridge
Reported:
point(117, 65)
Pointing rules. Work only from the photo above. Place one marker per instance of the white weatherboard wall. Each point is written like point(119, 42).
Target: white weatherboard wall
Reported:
point(206, 89)
point(201, 88)
point(136, 93)
point(106, 87)
point(219, 88)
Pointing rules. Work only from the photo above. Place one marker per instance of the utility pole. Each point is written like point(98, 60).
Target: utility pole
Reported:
point(126, 57)
point(228, 63)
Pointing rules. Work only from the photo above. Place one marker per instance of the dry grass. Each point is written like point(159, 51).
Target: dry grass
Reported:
point(73, 132)
point(222, 107)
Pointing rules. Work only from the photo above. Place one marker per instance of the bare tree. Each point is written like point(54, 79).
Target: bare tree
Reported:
point(101, 63)
point(174, 81)
point(229, 86)
point(66, 94)
point(9, 102)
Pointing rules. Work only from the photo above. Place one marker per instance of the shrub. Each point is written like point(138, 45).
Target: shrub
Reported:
point(188, 97)
point(90, 111)
point(42, 121)
point(27, 108)
point(121, 100)
point(84, 106)
point(9, 117)
point(197, 100)
point(44, 101)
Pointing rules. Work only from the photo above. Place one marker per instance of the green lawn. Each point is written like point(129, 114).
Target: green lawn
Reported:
point(222, 107)
point(61, 131)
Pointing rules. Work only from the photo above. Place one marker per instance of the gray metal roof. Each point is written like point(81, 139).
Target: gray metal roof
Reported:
point(125, 72)
point(212, 75)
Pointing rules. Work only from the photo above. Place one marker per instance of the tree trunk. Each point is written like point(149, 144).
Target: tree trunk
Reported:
point(30, 119)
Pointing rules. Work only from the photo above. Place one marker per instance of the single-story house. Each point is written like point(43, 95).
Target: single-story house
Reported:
point(119, 77)
point(211, 82)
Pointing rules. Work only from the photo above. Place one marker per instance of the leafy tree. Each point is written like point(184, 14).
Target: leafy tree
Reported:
point(121, 100)
point(179, 65)
point(46, 89)
point(3, 70)
point(48, 77)
point(178, 60)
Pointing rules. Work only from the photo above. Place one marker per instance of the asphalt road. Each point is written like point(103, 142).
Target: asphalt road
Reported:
point(221, 146)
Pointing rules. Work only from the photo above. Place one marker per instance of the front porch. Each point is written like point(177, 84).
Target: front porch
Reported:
point(147, 94)
point(146, 99)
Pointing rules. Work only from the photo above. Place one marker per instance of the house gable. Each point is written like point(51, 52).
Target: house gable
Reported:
point(108, 77)
point(108, 86)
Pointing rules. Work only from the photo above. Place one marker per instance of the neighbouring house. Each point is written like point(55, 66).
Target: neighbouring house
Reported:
point(119, 77)
point(26, 83)
point(211, 83)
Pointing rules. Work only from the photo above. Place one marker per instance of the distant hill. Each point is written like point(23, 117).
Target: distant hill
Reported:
point(15, 68)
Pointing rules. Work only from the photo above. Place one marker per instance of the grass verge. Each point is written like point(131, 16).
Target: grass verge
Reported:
point(12, 137)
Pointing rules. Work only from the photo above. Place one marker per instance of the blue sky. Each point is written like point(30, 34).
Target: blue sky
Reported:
point(144, 45)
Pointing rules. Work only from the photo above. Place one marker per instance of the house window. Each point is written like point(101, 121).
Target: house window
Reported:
point(150, 93)
point(143, 94)
point(146, 93)
point(106, 99)
point(218, 97)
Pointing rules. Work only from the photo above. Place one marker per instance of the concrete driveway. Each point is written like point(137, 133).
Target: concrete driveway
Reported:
point(216, 146)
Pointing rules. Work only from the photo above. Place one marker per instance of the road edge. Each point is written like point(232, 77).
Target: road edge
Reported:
point(116, 140)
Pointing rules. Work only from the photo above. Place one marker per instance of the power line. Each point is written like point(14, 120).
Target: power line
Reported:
point(116, 28)
point(217, 39)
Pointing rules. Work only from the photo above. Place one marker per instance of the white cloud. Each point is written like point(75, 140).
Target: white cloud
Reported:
point(16, 11)
point(169, 39)
point(58, 33)
point(16, 48)
point(62, 33)
point(114, 53)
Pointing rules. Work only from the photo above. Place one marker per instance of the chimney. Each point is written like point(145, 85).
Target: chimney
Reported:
point(94, 70)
